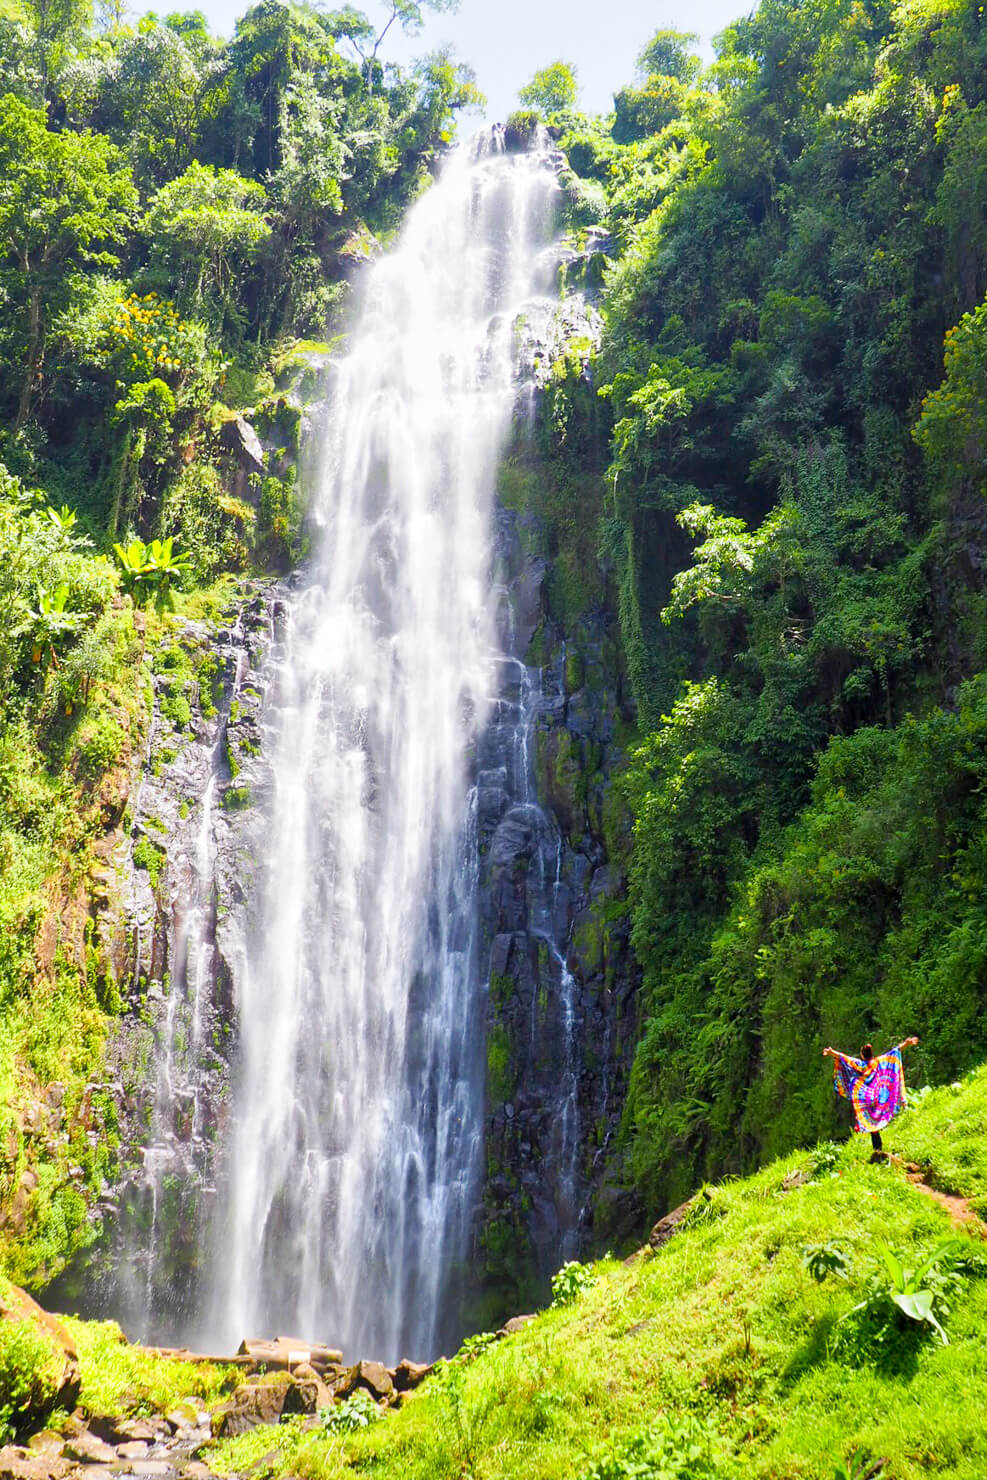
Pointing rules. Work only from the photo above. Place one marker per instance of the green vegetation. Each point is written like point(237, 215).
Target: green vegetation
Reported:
point(786, 484)
point(121, 1379)
point(178, 214)
point(149, 856)
point(773, 467)
point(721, 1355)
point(358, 1411)
point(570, 1281)
point(30, 1369)
point(69, 720)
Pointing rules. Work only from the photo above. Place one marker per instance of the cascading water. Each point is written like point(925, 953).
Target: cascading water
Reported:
point(355, 1150)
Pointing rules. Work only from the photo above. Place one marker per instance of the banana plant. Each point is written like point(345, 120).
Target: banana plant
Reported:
point(63, 519)
point(132, 559)
point(148, 570)
point(163, 563)
point(51, 623)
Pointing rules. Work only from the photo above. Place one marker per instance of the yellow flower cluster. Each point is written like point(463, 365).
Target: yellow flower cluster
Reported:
point(150, 327)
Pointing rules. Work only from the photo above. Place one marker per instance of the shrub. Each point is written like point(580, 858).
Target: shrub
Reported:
point(475, 1346)
point(671, 1449)
point(825, 1259)
point(149, 856)
point(100, 743)
point(30, 1367)
point(358, 1411)
point(570, 1282)
point(901, 1303)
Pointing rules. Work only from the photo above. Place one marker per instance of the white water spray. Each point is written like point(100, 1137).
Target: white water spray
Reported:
point(357, 1133)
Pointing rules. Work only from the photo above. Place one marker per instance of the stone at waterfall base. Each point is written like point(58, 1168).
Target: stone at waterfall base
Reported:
point(133, 1449)
point(263, 1400)
point(17, 1463)
point(89, 1450)
point(373, 1377)
point(407, 1374)
point(285, 1353)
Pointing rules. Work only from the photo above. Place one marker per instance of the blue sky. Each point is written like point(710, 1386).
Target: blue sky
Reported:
point(505, 41)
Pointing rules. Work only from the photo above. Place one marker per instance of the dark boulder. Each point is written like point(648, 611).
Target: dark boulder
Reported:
point(373, 1377)
point(407, 1374)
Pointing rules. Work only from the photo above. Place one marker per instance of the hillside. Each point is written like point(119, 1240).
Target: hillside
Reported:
point(736, 1348)
point(724, 1340)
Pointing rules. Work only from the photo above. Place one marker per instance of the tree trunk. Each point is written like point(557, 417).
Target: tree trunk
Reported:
point(33, 357)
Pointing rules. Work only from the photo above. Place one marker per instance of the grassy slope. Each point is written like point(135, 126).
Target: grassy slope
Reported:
point(724, 1322)
point(121, 1379)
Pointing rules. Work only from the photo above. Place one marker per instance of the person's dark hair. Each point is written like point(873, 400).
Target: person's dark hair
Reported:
point(867, 1052)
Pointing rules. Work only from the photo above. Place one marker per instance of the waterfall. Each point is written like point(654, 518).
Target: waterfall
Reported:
point(355, 1152)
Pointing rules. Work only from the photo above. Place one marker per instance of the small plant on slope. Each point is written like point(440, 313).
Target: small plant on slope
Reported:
point(358, 1411)
point(680, 1448)
point(474, 1346)
point(570, 1281)
point(920, 1295)
point(824, 1157)
point(826, 1259)
point(858, 1466)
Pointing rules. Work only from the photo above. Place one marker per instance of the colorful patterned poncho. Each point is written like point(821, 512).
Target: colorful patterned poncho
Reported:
point(875, 1090)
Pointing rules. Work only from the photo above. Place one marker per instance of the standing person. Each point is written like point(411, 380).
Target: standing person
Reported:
point(875, 1087)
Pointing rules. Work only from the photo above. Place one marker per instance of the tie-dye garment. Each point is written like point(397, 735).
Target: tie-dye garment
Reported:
point(875, 1090)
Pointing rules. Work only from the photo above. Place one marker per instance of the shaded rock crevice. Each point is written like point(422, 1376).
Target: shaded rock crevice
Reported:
point(561, 1008)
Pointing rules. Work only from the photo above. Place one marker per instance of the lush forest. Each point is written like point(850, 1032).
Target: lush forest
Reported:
point(780, 454)
point(794, 379)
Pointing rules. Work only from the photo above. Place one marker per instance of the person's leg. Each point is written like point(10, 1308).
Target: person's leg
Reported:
point(875, 1140)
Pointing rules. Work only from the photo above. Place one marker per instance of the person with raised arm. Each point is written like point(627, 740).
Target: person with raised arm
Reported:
point(875, 1087)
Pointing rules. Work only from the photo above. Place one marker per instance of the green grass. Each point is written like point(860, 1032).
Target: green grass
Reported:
point(120, 1379)
point(724, 1326)
point(949, 1136)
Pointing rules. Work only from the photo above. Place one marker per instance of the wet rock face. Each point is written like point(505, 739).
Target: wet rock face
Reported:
point(561, 1006)
point(173, 920)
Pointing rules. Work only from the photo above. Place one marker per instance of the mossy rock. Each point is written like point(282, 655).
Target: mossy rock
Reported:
point(39, 1364)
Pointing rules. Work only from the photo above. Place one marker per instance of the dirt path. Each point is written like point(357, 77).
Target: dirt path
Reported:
point(961, 1215)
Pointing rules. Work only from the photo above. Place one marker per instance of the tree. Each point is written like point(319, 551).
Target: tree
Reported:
point(407, 14)
point(952, 429)
point(667, 54)
point(553, 89)
point(20, 69)
point(275, 45)
point(64, 199)
point(58, 24)
point(155, 91)
point(201, 225)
